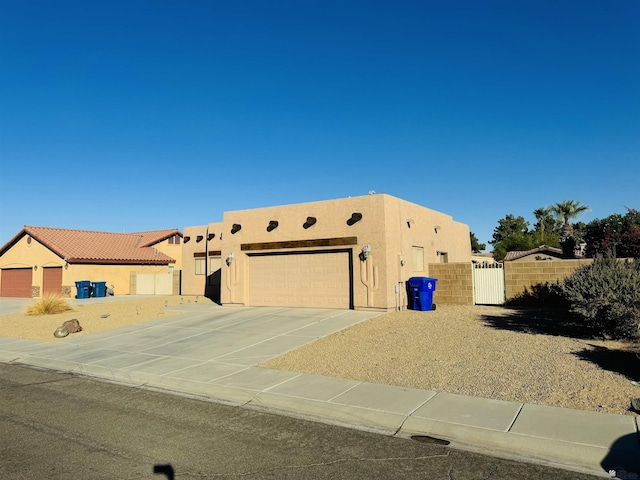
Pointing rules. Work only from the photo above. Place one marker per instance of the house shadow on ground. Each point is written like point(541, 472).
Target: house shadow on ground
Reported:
point(624, 361)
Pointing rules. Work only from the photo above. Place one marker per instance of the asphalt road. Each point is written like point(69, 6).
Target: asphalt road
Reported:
point(60, 426)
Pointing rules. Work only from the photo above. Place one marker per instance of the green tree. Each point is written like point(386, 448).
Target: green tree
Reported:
point(512, 233)
point(547, 223)
point(567, 211)
point(547, 229)
point(476, 246)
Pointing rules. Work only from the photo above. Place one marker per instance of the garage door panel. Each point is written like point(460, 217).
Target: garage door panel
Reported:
point(52, 280)
point(16, 282)
point(301, 280)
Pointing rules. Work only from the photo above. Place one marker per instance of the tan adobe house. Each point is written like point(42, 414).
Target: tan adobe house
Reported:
point(353, 253)
point(40, 260)
point(541, 253)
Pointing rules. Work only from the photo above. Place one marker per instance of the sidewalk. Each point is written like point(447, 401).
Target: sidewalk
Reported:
point(212, 353)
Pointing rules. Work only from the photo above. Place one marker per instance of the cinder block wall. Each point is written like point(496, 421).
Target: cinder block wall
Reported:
point(521, 275)
point(455, 283)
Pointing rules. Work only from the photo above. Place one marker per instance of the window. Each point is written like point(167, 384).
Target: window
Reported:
point(418, 258)
point(443, 257)
point(174, 240)
point(201, 266)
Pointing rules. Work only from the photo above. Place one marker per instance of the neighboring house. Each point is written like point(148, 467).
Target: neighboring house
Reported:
point(40, 260)
point(482, 258)
point(355, 252)
point(540, 253)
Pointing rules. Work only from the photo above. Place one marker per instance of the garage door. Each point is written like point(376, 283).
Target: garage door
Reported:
point(320, 280)
point(16, 282)
point(52, 280)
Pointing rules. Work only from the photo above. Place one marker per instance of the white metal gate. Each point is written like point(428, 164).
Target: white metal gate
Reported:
point(488, 284)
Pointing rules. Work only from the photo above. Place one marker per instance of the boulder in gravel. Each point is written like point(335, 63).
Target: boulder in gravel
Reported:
point(72, 326)
point(60, 332)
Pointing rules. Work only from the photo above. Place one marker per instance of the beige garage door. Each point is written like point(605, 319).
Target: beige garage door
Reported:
point(319, 280)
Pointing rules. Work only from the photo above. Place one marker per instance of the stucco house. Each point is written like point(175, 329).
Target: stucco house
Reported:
point(353, 253)
point(40, 260)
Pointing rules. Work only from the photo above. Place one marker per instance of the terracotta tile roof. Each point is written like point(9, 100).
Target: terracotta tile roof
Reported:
point(514, 255)
point(86, 246)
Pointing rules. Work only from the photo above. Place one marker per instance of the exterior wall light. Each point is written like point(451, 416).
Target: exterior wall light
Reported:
point(210, 237)
point(229, 259)
point(199, 238)
point(235, 228)
point(366, 251)
point(35, 267)
point(186, 239)
point(273, 224)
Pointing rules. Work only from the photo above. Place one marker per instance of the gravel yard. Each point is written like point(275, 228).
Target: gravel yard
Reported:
point(488, 352)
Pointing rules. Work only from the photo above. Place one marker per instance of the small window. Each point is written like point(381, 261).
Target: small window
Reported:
point(418, 258)
point(443, 257)
point(201, 266)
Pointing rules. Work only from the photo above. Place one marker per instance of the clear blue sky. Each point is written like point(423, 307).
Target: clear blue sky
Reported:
point(152, 114)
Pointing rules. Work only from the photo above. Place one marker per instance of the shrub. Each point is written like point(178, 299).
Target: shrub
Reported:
point(49, 304)
point(545, 296)
point(605, 296)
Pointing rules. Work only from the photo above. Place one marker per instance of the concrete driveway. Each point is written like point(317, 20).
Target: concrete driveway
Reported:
point(204, 343)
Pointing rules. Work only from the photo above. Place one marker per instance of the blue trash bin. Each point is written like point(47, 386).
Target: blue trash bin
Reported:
point(84, 289)
point(99, 289)
point(421, 293)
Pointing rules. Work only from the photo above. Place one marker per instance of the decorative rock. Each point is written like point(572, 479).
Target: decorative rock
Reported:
point(72, 326)
point(60, 332)
point(635, 404)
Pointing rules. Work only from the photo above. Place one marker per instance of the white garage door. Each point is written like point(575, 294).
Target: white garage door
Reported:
point(318, 280)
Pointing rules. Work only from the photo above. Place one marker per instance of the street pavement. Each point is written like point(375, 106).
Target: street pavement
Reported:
point(212, 352)
point(60, 426)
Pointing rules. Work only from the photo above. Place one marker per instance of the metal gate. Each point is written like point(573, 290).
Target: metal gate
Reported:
point(488, 284)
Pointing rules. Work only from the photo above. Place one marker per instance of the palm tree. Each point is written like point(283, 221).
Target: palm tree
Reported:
point(566, 211)
point(543, 215)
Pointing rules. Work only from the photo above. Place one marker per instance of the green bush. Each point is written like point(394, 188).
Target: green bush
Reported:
point(545, 296)
point(605, 296)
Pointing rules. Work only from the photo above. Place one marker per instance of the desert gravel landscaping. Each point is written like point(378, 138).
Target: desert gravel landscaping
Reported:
point(489, 352)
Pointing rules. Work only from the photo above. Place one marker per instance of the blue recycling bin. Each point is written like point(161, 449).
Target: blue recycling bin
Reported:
point(83, 288)
point(421, 293)
point(99, 289)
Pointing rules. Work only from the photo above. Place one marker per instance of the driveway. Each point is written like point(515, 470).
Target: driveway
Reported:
point(204, 343)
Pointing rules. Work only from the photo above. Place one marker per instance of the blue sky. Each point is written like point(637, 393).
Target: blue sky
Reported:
point(144, 115)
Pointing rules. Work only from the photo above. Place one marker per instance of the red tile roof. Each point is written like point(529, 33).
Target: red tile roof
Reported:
point(86, 246)
point(514, 255)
